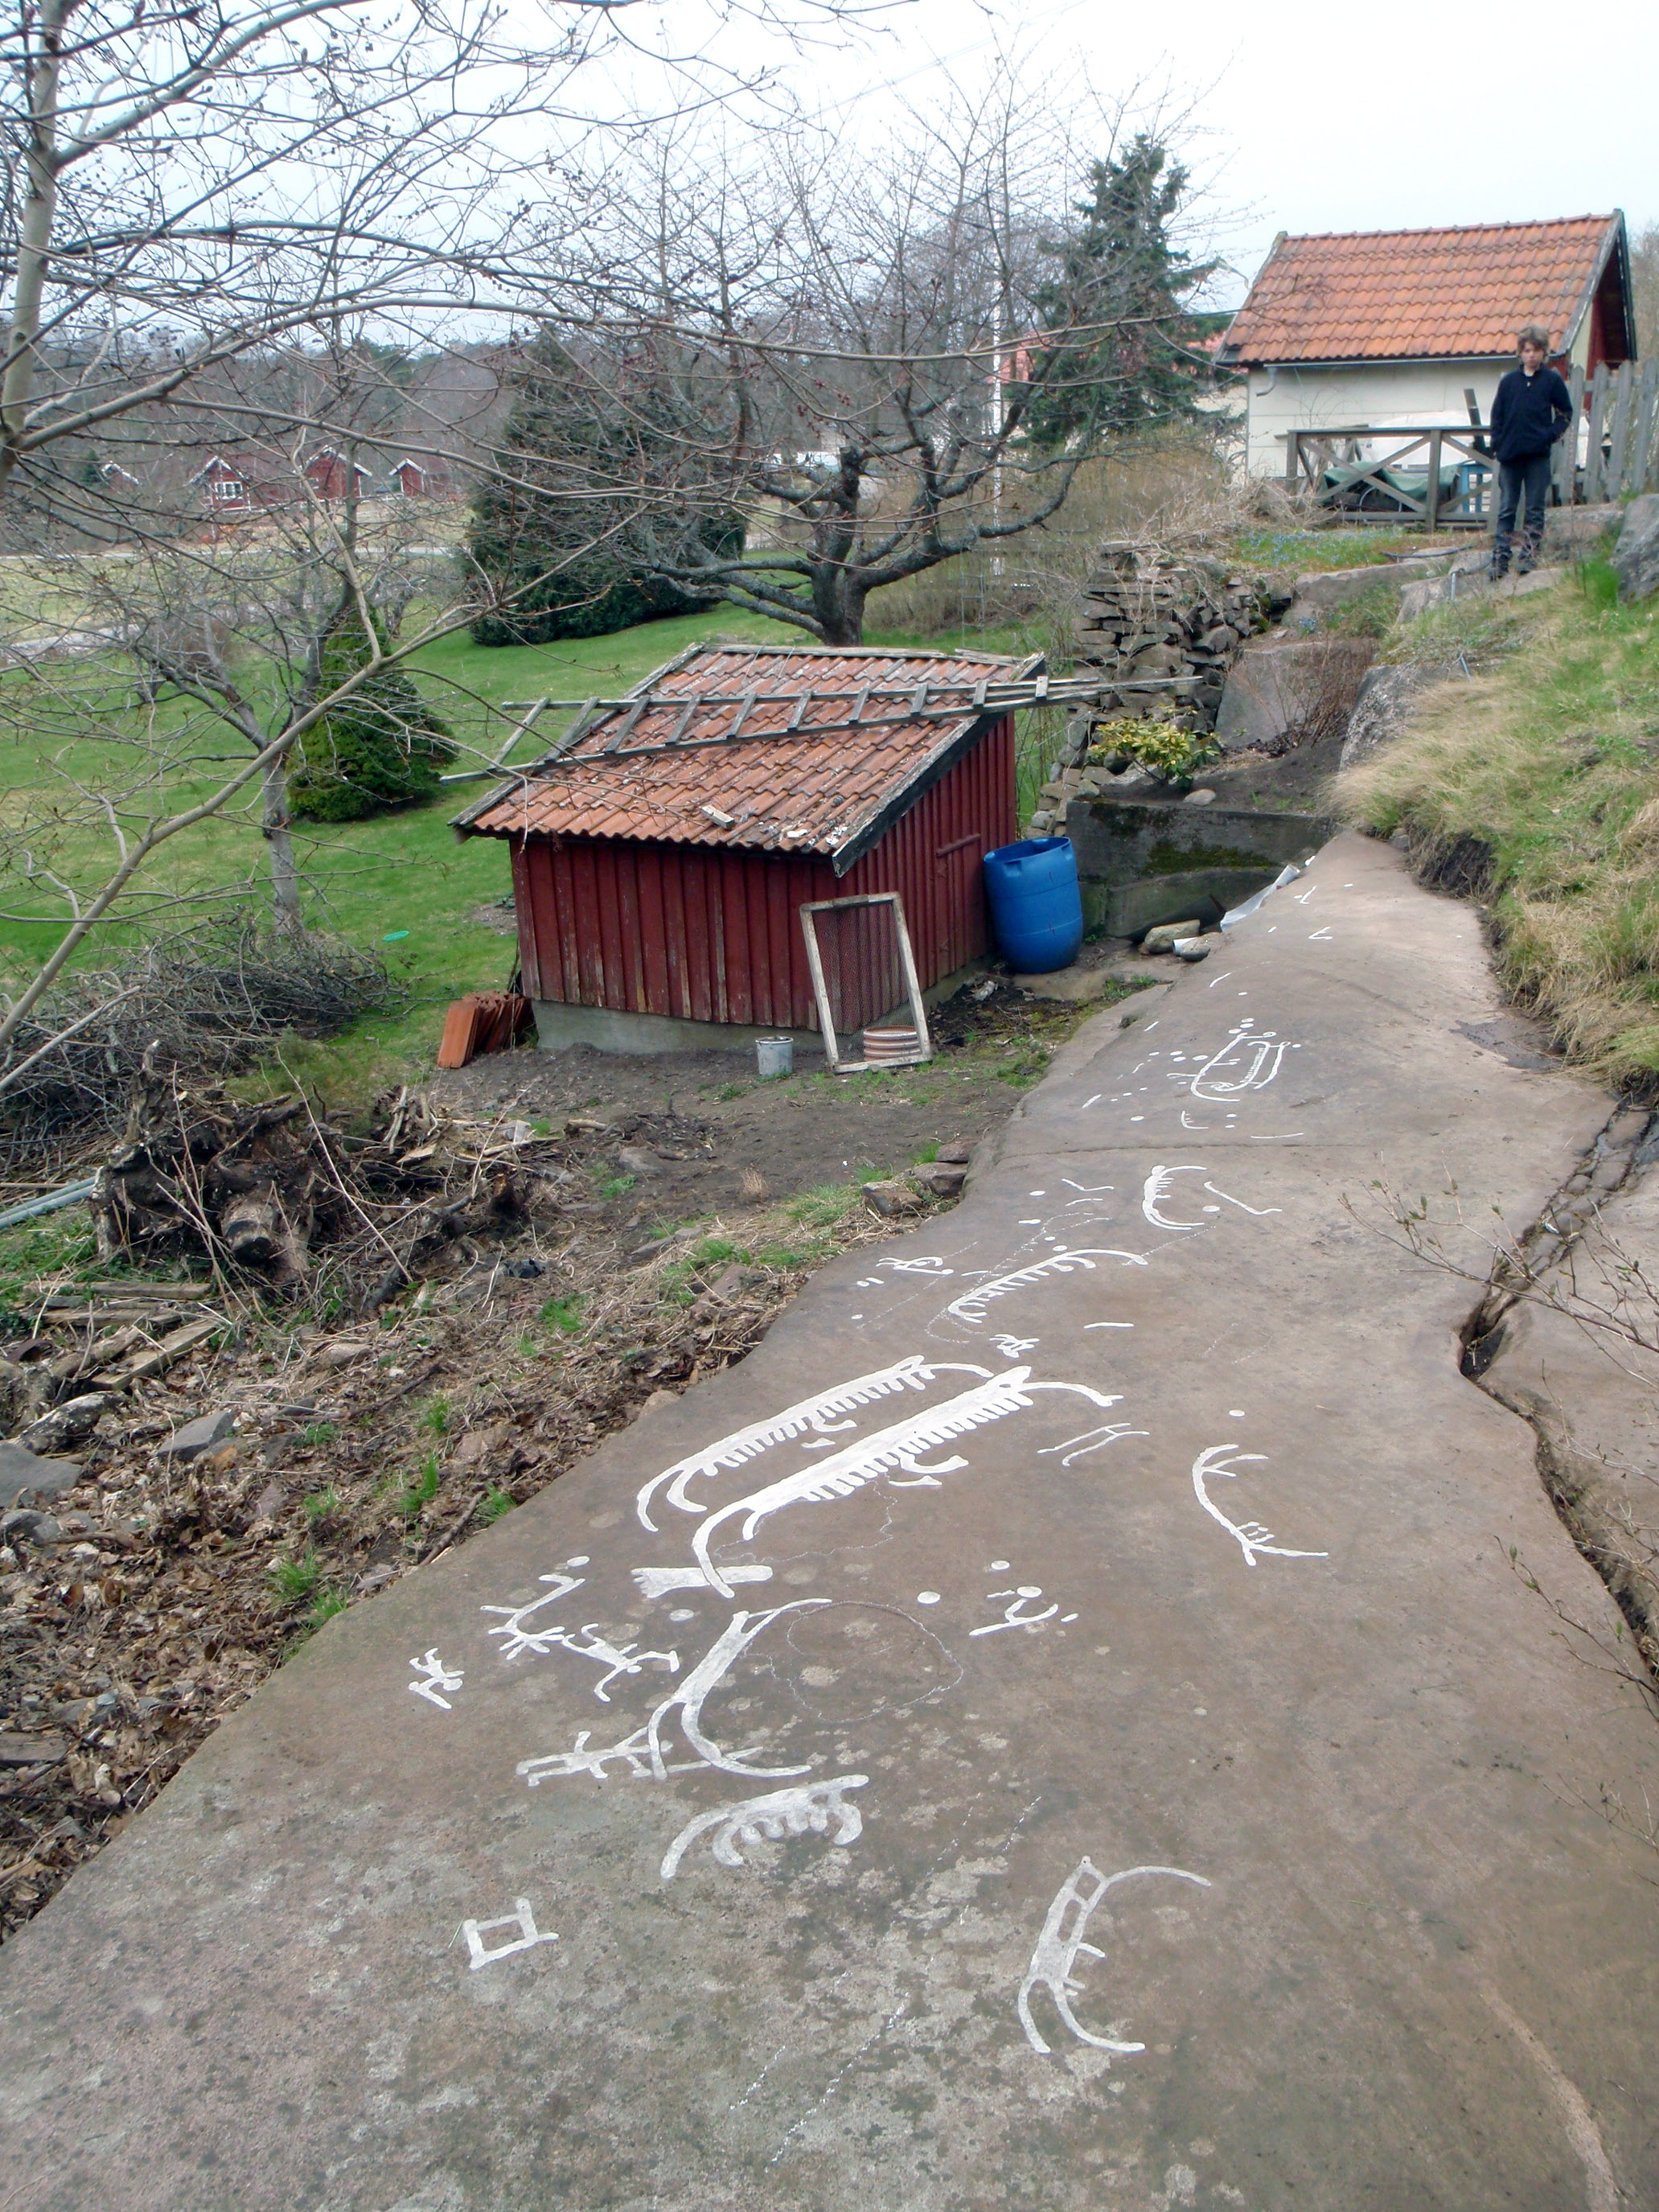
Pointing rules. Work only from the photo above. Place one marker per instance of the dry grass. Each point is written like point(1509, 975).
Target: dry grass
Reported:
point(1536, 784)
point(1039, 579)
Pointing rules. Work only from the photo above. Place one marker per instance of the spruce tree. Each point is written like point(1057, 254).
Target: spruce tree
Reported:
point(1121, 268)
point(380, 747)
point(567, 529)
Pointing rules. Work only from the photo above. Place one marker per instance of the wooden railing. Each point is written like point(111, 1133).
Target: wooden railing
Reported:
point(1618, 415)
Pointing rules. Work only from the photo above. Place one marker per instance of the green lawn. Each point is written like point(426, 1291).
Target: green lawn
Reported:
point(404, 883)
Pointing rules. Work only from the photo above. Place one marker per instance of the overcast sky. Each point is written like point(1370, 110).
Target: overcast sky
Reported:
point(1310, 116)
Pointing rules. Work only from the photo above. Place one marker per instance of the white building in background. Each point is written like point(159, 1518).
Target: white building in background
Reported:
point(1396, 327)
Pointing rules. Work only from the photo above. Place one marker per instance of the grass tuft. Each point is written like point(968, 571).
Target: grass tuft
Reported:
point(293, 1580)
point(422, 1490)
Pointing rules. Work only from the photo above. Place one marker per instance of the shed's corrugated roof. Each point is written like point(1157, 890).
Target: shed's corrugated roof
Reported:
point(832, 745)
point(1415, 295)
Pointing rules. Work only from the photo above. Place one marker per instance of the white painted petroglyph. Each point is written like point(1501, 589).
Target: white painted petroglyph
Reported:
point(520, 1638)
point(658, 1581)
point(1093, 1440)
point(885, 1452)
point(1321, 937)
point(1061, 1942)
point(815, 1413)
point(1160, 1185)
point(1014, 1617)
point(616, 1658)
point(520, 1917)
point(969, 1309)
point(521, 1633)
point(808, 1808)
point(439, 1679)
point(927, 1597)
point(1246, 1062)
point(642, 1751)
point(1252, 1538)
point(1012, 1347)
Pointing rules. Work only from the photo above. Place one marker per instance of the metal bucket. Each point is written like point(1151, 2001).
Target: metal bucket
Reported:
point(775, 1056)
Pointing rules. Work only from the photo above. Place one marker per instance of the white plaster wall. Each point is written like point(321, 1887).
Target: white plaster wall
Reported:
point(1417, 392)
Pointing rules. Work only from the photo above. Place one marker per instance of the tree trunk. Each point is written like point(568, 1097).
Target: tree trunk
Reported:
point(284, 869)
point(34, 236)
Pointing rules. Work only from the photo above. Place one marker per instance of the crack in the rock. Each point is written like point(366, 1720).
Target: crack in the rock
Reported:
point(1627, 1142)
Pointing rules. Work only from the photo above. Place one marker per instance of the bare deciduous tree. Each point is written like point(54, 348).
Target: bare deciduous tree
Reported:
point(847, 348)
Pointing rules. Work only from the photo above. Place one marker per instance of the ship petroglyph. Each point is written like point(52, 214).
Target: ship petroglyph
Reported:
point(1061, 1943)
point(1254, 1540)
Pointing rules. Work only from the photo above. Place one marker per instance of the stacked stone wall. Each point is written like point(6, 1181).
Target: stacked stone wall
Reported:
point(1166, 632)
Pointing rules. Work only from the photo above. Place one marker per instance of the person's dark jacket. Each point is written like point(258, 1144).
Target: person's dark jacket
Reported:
point(1530, 414)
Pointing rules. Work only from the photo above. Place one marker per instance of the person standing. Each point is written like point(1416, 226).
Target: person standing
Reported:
point(1533, 409)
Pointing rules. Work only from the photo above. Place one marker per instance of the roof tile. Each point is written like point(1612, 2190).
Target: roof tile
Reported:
point(1392, 295)
point(690, 780)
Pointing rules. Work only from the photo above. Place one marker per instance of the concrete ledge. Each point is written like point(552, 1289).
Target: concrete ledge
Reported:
point(606, 1029)
point(559, 1026)
point(1141, 862)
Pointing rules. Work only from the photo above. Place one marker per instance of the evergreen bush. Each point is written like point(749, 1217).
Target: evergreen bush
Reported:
point(381, 747)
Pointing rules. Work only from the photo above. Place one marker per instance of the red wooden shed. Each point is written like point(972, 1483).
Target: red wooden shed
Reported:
point(662, 853)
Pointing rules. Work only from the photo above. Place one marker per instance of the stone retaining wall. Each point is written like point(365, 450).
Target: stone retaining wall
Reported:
point(1167, 633)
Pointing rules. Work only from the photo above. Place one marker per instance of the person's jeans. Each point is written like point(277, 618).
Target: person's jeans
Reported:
point(1532, 477)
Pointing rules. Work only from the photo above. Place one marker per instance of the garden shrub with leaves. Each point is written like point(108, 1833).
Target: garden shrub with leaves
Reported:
point(1163, 746)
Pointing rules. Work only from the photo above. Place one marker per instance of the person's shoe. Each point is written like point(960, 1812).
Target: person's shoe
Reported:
point(1497, 569)
point(1526, 563)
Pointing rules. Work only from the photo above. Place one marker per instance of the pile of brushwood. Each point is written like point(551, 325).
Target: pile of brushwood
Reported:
point(271, 1191)
point(208, 1002)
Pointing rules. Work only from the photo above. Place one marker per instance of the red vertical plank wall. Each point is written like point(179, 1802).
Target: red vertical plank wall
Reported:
point(704, 934)
point(931, 857)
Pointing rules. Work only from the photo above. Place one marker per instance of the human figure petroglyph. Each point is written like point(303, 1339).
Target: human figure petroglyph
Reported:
point(439, 1680)
point(1061, 1944)
point(809, 1807)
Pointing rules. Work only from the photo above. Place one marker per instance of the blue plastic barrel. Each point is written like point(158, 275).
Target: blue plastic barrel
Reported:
point(1036, 907)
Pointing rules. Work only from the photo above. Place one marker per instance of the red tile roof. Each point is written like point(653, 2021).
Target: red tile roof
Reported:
point(794, 750)
point(1416, 295)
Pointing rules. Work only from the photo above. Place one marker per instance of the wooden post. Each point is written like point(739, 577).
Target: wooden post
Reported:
point(1594, 489)
point(1624, 391)
point(1642, 470)
point(1292, 461)
point(1566, 448)
point(1432, 516)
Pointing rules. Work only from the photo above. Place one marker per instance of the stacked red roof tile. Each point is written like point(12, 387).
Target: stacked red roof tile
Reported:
point(750, 772)
point(1411, 295)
